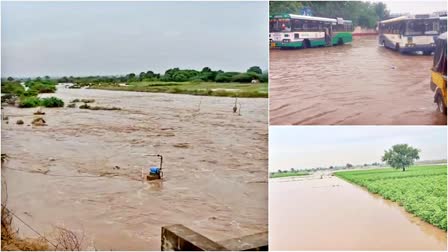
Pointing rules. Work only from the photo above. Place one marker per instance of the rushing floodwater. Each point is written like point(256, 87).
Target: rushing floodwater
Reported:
point(360, 83)
point(331, 214)
point(215, 167)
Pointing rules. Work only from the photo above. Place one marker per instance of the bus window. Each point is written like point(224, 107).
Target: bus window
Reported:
point(421, 27)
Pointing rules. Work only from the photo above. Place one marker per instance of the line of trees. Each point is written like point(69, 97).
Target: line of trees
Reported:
point(364, 14)
point(177, 75)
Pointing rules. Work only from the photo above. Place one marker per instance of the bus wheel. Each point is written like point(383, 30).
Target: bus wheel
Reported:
point(340, 41)
point(440, 105)
point(306, 44)
point(397, 47)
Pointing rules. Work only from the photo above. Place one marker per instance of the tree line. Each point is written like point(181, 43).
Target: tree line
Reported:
point(364, 14)
point(176, 75)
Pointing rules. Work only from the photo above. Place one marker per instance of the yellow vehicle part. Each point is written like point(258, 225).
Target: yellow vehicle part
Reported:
point(439, 81)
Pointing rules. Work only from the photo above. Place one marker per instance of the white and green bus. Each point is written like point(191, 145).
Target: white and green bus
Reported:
point(407, 34)
point(297, 31)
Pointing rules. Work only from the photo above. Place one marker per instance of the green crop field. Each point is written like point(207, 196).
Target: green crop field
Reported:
point(421, 190)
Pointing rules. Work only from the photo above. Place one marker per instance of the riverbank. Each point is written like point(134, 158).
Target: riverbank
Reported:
point(255, 90)
point(421, 190)
point(215, 179)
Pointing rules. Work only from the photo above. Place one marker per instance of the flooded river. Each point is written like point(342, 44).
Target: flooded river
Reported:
point(331, 214)
point(355, 84)
point(215, 167)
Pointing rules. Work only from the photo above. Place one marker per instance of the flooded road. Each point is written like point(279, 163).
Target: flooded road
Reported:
point(331, 214)
point(355, 84)
point(215, 167)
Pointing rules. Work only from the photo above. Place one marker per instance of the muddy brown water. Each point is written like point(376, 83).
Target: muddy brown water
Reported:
point(215, 167)
point(355, 84)
point(310, 213)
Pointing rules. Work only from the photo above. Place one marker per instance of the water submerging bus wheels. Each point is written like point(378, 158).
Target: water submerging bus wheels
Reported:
point(409, 34)
point(297, 31)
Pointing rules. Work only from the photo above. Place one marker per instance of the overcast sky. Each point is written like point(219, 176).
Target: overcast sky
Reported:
point(414, 7)
point(304, 147)
point(83, 38)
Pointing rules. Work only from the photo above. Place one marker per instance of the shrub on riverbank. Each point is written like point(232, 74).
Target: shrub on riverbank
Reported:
point(12, 88)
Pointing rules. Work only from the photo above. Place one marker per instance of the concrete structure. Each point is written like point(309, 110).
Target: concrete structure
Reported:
point(178, 237)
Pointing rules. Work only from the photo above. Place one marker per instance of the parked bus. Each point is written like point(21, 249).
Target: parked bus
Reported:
point(442, 24)
point(297, 31)
point(407, 34)
point(438, 73)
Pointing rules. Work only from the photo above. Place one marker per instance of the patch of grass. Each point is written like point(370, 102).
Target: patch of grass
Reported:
point(194, 88)
point(421, 190)
point(288, 174)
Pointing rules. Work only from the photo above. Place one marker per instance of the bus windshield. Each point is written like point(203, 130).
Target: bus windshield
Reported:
point(422, 27)
point(279, 25)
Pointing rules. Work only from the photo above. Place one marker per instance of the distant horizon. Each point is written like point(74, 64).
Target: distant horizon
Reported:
point(358, 165)
point(306, 147)
point(123, 74)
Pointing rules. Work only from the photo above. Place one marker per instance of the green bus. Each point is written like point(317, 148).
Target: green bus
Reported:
point(298, 31)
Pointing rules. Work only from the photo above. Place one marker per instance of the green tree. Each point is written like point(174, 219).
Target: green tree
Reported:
point(401, 156)
point(254, 69)
point(10, 79)
point(206, 69)
point(284, 7)
point(381, 11)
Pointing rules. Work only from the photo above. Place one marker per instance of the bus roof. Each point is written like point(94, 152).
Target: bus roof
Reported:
point(294, 16)
point(403, 18)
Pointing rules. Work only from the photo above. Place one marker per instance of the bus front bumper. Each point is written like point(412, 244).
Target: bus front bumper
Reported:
point(418, 48)
point(296, 44)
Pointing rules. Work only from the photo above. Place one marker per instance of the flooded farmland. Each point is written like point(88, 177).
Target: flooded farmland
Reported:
point(64, 174)
point(355, 84)
point(310, 213)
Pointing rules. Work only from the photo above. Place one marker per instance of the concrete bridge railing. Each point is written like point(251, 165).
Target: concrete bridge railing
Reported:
point(178, 237)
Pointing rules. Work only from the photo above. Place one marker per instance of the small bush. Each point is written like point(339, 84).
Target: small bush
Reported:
point(71, 105)
point(52, 102)
point(20, 122)
point(29, 102)
point(75, 100)
point(41, 88)
point(245, 77)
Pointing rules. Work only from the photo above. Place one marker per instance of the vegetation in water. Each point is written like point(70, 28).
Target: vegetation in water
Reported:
point(52, 102)
point(421, 190)
point(34, 101)
point(365, 14)
point(291, 173)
